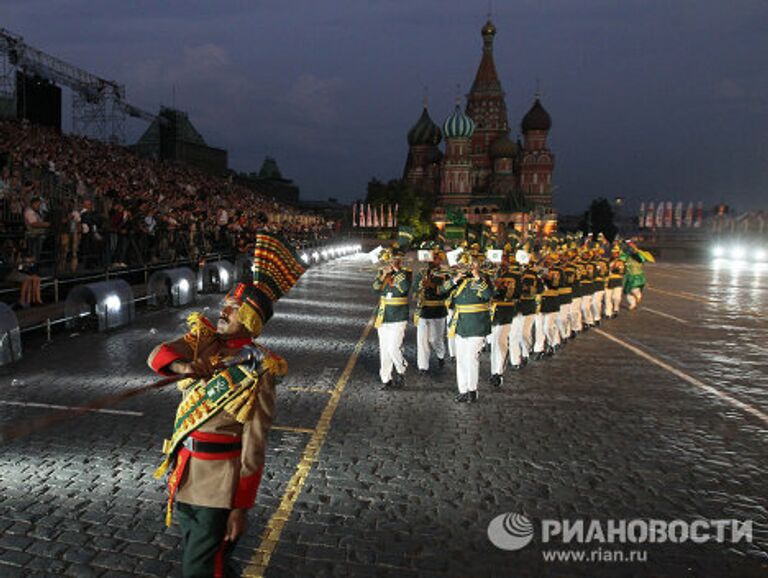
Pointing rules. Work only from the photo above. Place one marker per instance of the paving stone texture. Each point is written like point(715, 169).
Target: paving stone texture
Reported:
point(407, 481)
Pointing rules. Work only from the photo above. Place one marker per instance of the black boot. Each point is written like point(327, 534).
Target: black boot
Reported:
point(461, 397)
point(495, 380)
point(472, 397)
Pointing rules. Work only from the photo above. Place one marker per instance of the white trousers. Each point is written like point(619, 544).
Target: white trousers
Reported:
point(551, 331)
point(564, 321)
point(430, 336)
point(613, 300)
point(576, 314)
point(526, 339)
point(506, 340)
point(451, 340)
point(597, 304)
point(390, 349)
point(586, 309)
point(468, 362)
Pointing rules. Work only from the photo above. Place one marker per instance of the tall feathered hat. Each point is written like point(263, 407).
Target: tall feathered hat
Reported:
point(275, 270)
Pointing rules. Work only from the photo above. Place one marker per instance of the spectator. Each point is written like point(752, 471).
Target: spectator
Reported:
point(36, 228)
point(13, 271)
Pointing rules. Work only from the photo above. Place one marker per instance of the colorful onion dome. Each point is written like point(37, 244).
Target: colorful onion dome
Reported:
point(458, 125)
point(424, 132)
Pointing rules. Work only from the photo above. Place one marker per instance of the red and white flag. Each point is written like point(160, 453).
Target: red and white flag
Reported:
point(668, 215)
point(369, 217)
point(396, 206)
point(679, 214)
point(354, 215)
point(699, 215)
point(650, 215)
point(660, 215)
point(641, 220)
point(689, 215)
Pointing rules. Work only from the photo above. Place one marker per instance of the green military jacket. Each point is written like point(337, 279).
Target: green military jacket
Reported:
point(571, 279)
point(430, 295)
point(393, 289)
point(550, 298)
point(531, 287)
point(471, 305)
point(505, 296)
point(616, 270)
point(601, 274)
point(588, 278)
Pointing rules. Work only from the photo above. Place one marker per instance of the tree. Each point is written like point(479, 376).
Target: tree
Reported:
point(599, 219)
point(414, 207)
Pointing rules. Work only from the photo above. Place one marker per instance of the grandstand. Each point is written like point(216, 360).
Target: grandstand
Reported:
point(72, 205)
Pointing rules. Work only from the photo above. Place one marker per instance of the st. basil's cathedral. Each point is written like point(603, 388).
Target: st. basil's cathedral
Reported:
point(484, 177)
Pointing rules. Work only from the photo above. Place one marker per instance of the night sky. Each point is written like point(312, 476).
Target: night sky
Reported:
point(650, 100)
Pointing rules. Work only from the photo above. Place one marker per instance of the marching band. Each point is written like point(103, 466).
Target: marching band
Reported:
point(525, 307)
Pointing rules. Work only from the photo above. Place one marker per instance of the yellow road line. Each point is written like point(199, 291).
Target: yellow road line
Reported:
point(293, 429)
point(682, 295)
point(271, 537)
point(310, 389)
point(685, 377)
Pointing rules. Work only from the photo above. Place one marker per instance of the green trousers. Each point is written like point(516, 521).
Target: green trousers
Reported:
point(204, 551)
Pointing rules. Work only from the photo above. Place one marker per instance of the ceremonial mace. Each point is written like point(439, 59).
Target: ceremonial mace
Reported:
point(249, 354)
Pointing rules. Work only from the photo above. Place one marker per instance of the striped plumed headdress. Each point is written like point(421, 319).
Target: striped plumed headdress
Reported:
point(275, 270)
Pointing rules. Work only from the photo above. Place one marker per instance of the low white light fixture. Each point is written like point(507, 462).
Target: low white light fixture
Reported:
point(738, 253)
point(718, 251)
point(305, 257)
point(760, 255)
point(113, 303)
point(183, 285)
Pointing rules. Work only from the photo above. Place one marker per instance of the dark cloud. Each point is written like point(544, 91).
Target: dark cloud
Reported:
point(650, 99)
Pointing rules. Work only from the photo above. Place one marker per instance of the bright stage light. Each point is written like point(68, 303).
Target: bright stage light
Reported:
point(316, 256)
point(760, 255)
point(223, 277)
point(112, 302)
point(738, 253)
point(184, 285)
point(718, 251)
point(304, 258)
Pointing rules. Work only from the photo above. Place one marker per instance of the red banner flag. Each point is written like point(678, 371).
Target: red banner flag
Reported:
point(649, 215)
point(699, 214)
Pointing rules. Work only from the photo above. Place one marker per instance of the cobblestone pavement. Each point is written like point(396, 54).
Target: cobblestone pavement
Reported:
point(405, 483)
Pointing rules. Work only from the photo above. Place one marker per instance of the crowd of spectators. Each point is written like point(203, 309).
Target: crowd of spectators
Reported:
point(71, 204)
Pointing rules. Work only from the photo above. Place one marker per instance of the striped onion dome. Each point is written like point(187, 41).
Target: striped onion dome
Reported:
point(458, 125)
point(424, 132)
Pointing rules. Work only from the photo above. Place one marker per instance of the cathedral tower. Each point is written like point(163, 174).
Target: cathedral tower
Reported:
point(537, 162)
point(486, 106)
